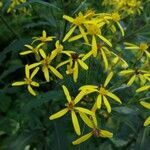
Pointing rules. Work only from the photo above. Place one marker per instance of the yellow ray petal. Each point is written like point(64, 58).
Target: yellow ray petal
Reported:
point(66, 92)
point(83, 34)
point(75, 73)
point(79, 97)
point(62, 63)
point(75, 123)
point(31, 90)
point(69, 33)
point(27, 71)
point(35, 83)
point(143, 88)
point(84, 110)
point(106, 134)
point(105, 40)
point(83, 64)
point(125, 72)
point(109, 77)
point(104, 59)
point(147, 122)
point(44, 33)
point(94, 46)
point(145, 104)
point(86, 119)
point(42, 53)
point(55, 72)
point(132, 79)
point(106, 103)
point(82, 138)
point(59, 114)
point(46, 73)
point(99, 101)
point(18, 83)
point(74, 38)
point(25, 52)
point(34, 65)
point(86, 56)
point(34, 72)
point(113, 96)
point(28, 46)
point(121, 28)
point(70, 19)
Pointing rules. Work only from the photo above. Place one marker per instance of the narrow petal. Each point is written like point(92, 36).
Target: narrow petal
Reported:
point(113, 96)
point(84, 110)
point(79, 97)
point(28, 46)
point(42, 53)
point(34, 72)
point(44, 33)
point(106, 134)
point(147, 122)
point(132, 79)
point(125, 72)
point(86, 56)
point(46, 73)
point(104, 59)
point(99, 101)
point(55, 72)
point(82, 138)
point(94, 46)
point(106, 103)
point(74, 38)
point(105, 40)
point(35, 83)
point(145, 104)
point(59, 114)
point(88, 87)
point(25, 52)
point(69, 33)
point(109, 77)
point(83, 34)
point(143, 88)
point(18, 83)
point(75, 73)
point(70, 19)
point(34, 65)
point(27, 71)
point(75, 123)
point(31, 90)
point(83, 64)
point(62, 63)
point(86, 119)
point(66, 92)
point(121, 28)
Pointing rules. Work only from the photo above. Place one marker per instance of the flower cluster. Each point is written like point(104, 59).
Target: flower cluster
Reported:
point(87, 28)
point(128, 7)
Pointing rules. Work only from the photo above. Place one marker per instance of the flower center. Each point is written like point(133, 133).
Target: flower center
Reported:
point(28, 80)
point(115, 17)
point(93, 29)
point(143, 46)
point(43, 39)
point(96, 132)
point(46, 62)
point(102, 91)
point(59, 48)
point(74, 56)
point(79, 20)
point(70, 105)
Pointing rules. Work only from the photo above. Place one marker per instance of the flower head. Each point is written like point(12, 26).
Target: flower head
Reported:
point(72, 108)
point(28, 80)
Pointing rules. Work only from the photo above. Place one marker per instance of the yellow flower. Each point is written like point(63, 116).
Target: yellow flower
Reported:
point(94, 30)
point(78, 21)
point(102, 93)
point(43, 38)
point(70, 107)
point(142, 48)
point(74, 62)
point(34, 50)
point(135, 75)
point(146, 105)
point(96, 132)
point(28, 80)
point(46, 66)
